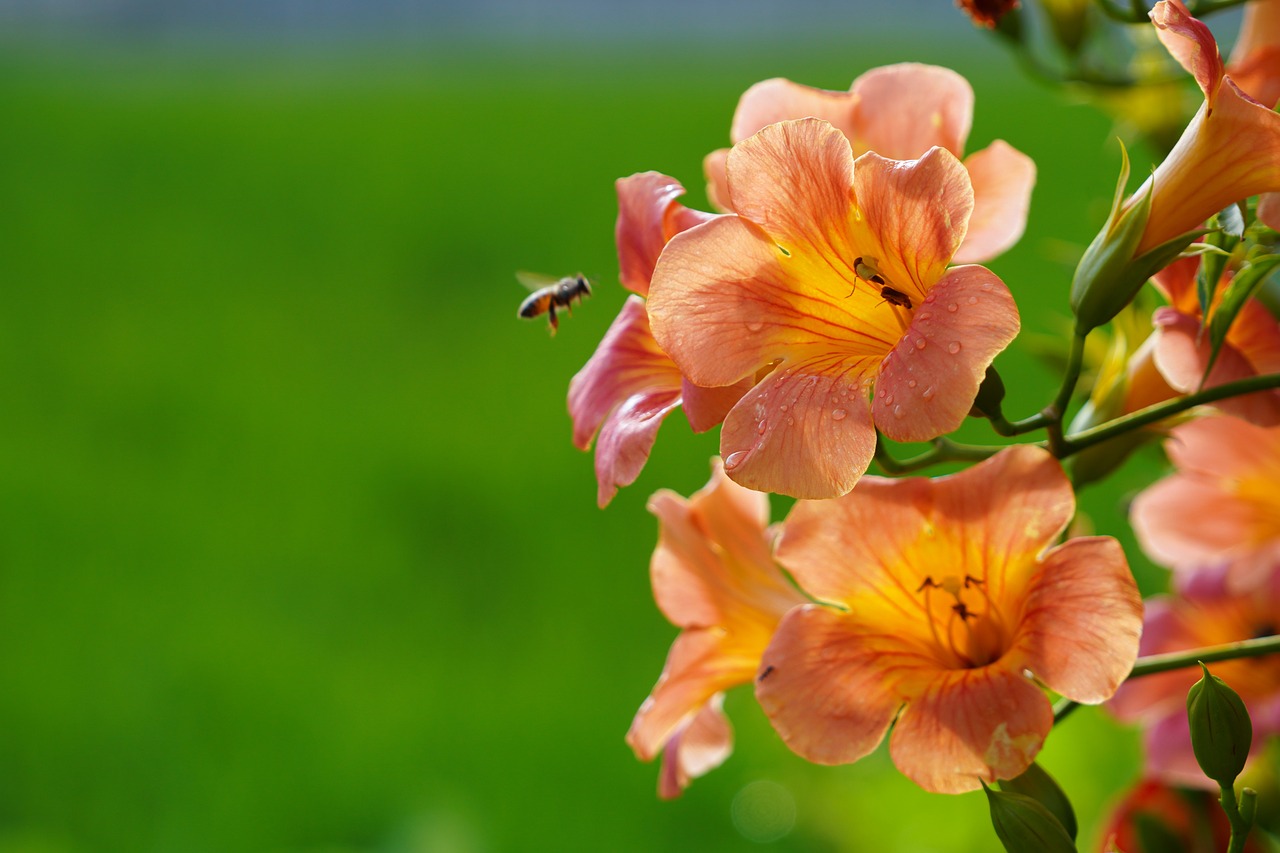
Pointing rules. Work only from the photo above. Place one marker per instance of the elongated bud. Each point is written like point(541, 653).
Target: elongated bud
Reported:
point(1109, 275)
point(1025, 826)
point(990, 396)
point(1221, 731)
point(1037, 784)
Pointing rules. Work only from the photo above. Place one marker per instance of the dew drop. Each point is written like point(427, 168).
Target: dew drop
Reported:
point(953, 347)
point(733, 460)
point(924, 315)
point(898, 411)
point(929, 298)
point(911, 383)
point(952, 307)
point(888, 399)
point(986, 285)
point(783, 407)
point(755, 326)
point(973, 300)
point(761, 427)
point(791, 421)
point(927, 393)
point(839, 414)
point(921, 343)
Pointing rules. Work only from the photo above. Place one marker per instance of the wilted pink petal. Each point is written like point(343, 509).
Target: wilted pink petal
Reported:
point(648, 216)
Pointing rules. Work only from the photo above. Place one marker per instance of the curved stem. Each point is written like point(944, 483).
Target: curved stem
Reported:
point(1051, 416)
point(1151, 664)
point(944, 450)
point(1151, 414)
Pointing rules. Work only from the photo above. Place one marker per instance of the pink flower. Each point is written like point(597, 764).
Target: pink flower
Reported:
point(1230, 150)
point(1182, 347)
point(713, 576)
point(629, 386)
point(832, 276)
point(1204, 614)
point(1193, 819)
point(953, 607)
point(900, 112)
point(1221, 507)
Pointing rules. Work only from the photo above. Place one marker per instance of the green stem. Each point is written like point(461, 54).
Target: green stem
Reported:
point(1239, 826)
point(1051, 416)
point(943, 450)
point(1210, 6)
point(1151, 414)
point(1124, 16)
point(1152, 664)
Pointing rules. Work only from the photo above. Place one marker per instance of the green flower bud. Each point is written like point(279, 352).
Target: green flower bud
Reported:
point(1025, 826)
point(1221, 731)
point(1037, 784)
point(990, 396)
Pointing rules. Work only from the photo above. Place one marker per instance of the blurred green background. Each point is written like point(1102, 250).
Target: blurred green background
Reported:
point(296, 554)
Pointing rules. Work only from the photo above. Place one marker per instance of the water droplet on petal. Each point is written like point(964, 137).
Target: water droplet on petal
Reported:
point(921, 343)
point(952, 307)
point(953, 347)
point(755, 326)
point(973, 300)
point(783, 407)
point(923, 316)
point(911, 383)
point(927, 393)
point(986, 285)
point(888, 399)
point(839, 414)
point(898, 411)
point(761, 427)
point(791, 421)
point(733, 460)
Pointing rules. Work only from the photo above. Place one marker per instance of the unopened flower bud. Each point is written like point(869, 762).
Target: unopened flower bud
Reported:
point(990, 396)
point(1221, 731)
point(1037, 784)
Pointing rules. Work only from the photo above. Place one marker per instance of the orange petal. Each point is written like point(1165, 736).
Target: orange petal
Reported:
point(1255, 59)
point(838, 548)
point(1002, 179)
point(970, 725)
point(707, 407)
point(1082, 619)
point(901, 111)
point(648, 216)
point(771, 101)
point(912, 216)
point(698, 747)
point(822, 685)
point(624, 391)
point(713, 167)
point(928, 383)
point(805, 430)
point(793, 179)
point(697, 668)
point(1182, 351)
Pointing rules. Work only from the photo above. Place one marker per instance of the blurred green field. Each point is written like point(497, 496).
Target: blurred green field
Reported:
point(295, 553)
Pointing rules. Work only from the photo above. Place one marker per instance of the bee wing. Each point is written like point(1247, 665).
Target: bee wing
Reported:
point(535, 280)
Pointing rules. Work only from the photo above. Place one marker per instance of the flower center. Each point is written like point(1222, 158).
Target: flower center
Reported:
point(965, 623)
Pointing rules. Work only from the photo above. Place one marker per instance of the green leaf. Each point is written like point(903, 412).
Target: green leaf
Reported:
point(1025, 826)
point(1242, 286)
point(1214, 264)
point(1037, 784)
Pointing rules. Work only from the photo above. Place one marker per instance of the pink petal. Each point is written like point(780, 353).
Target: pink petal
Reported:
point(696, 670)
point(913, 216)
point(928, 383)
point(1269, 208)
point(805, 430)
point(822, 685)
point(648, 216)
point(772, 101)
point(1222, 446)
point(1002, 179)
point(1191, 43)
point(625, 390)
point(793, 179)
point(1170, 756)
point(901, 111)
point(713, 167)
point(970, 725)
point(1082, 619)
point(1171, 522)
point(1155, 696)
point(1182, 352)
point(695, 749)
point(707, 407)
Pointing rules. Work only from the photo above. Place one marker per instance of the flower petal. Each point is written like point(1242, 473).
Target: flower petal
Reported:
point(912, 216)
point(1002, 179)
point(805, 430)
point(771, 101)
point(707, 407)
point(696, 748)
point(970, 725)
point(625, 390)
point(928, 383)
point(648, 216)
point(713, 168)
point(793, 179)
point(697, 668)
point(1191, 43)
point(1081, 623)
point(1171, 523)
point(822, 685)
point(901, 111)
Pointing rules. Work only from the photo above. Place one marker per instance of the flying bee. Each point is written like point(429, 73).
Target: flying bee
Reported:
point(550, 294)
